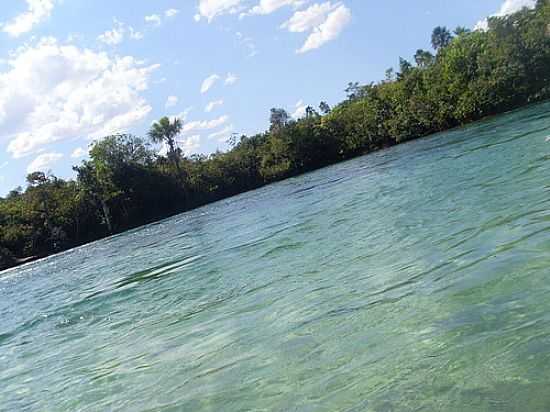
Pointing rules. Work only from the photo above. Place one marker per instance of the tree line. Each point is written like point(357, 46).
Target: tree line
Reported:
point(125, 183)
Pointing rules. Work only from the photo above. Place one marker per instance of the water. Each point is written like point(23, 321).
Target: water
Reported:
point(413, 279)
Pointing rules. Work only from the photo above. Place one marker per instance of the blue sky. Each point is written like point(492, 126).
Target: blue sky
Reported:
point(75, 70)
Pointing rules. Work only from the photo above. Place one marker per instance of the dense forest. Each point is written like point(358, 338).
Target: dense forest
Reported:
point(125, 183)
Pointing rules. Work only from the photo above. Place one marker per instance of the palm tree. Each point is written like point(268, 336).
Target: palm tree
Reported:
point(441, 37)
point(166, 131)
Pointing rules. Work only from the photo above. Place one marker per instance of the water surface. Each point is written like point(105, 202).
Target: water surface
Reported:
point(412, 279)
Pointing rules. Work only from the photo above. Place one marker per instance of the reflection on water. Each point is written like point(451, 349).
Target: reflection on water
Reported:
point(412, 279)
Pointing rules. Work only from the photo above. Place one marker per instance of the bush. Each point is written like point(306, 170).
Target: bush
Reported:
point(6, 258)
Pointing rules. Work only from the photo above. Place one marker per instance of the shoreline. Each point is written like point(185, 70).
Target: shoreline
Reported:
point(19, 262)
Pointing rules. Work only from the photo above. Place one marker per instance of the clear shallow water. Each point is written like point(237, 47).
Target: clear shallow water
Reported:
point(413, 279)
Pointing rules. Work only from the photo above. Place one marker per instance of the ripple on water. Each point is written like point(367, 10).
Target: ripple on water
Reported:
point(411, 279)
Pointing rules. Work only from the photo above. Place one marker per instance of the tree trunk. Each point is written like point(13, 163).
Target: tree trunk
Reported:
point(107, 215)
point(174, 157)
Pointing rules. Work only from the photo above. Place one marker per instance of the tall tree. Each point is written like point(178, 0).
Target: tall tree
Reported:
point(404, 67)
point(278, 118)
point(166, 131)
point(310, 112)
point(441, 37)
point(389, 74)
point(106, 176)
point(353, 91)
point(324, 108)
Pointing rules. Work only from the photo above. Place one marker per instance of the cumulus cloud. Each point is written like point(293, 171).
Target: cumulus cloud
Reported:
point(231, 79)
point(209, 9)
point(37, 11)
point(212, 105)
point(52, 92)
point(118, 33)
point(328, 30)
point(508, 7)
point(171, 12)
point(154, 19)
point(209, 82)
point(300, 110)
point(269, 6)
point(309, 18)
point(190, 145)
point(78, 153)
point(171, 101)
point(112, 37)
point(43, 162)
point(204, 124)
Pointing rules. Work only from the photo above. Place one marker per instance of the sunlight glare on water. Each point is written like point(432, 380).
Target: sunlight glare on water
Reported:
point(415, 278)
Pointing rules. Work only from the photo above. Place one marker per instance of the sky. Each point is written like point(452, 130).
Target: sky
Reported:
point(72, 71)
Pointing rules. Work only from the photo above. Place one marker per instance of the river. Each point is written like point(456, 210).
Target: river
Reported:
point(413, 279)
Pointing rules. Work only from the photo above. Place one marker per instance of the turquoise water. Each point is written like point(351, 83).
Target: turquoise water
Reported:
point(413, 279)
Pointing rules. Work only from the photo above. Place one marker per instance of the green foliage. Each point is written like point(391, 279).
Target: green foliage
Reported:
point(441, 37)
point(6, 258)
point(166, 131)
point(125, 183)
point(423, 58)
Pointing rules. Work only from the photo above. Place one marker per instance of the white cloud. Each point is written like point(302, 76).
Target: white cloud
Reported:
point(300, 110)
point(118, 33)
point(213, 8)
point(135, 35)
point(171, 101)
point(482, 25)
point(154, 19)
point(205, 124)
point(212, 105)
point(269, 6)
point(210, 9)
point(171, 12)
point(78, 152)
point(52, 92)
point(231, 79)
point(508, 7)
point(190, 144)
point(209, 82)
point(330, 29)
point(511, 6)
point(37, 11)
point(309, 18)
point(43, 162)
point(114, 36)
point(222, 135)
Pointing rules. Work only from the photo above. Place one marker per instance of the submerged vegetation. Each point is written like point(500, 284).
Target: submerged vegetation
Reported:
point(125, 183)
